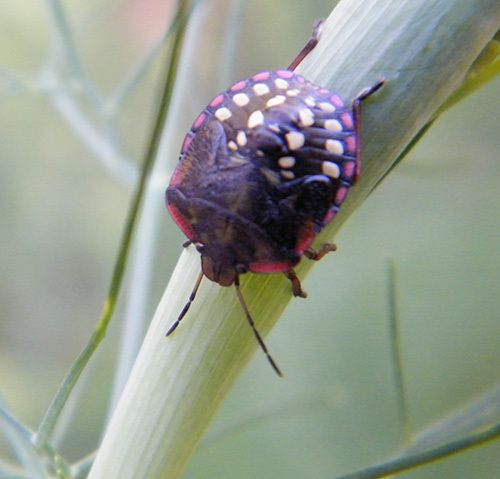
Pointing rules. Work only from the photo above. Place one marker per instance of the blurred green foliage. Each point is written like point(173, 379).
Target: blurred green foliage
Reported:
point(435, 217)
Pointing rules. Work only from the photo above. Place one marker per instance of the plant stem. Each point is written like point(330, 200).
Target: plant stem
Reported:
point(397, 357)
point(411, 461)
point(102, 146)
point(53, 413)
point(20, 439)
point(476, 415)
point(65, 41)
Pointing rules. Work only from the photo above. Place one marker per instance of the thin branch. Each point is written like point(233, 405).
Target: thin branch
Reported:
point(475, 415)
point(20, 439)
point(101, 145)
point(65, 41)
point(12, 82)
point(411, 461)
point(397, 358)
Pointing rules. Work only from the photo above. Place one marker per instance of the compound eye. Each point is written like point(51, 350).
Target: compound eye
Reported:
point(199, 247)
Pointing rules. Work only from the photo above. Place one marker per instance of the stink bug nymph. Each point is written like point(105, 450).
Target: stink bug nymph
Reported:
point(263, 169)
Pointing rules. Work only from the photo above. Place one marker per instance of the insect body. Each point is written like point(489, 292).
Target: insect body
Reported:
point(263, 169)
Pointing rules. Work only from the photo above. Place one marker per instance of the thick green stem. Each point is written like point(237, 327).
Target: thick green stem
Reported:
point(424, 49)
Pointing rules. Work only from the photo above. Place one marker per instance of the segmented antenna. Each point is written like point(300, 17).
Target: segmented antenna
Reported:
point(250, 320)
point(186, 306)
point(254, 329)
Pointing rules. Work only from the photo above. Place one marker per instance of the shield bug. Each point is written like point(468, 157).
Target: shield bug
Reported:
point(263, 169)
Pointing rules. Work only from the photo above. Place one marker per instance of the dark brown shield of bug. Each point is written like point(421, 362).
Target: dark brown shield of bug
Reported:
point(263, 169)
point(265, 166)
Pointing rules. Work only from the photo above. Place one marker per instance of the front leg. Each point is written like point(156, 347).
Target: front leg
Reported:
point(309, 46)
point(296, 286)
point(316, 255)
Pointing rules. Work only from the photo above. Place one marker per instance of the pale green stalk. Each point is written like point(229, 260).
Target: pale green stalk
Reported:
point(411, 461)
point(480, 413)
point(19, 438)
point(397, 355)
point(424, 49)
point(60, 88)
point(64, 40)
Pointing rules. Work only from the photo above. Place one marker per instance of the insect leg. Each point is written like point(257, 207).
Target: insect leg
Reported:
point(254, 329)
point(309, 46)
point(296, 286)
point(186, 306)
point(316, 255)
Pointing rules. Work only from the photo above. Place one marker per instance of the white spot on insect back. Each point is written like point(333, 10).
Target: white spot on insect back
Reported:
point(276, 100)
point(330, 169)
point(293, 92)
point(326, 107)
point(306, 117)
point(286, 162)
point(255, 119)
point(241, 138)
point(333, 125)
point(281, 84)
point(334, 146)
point(232, 145)
point(241, 99)
point(260, 89)
point(223, 114)
point(295, 140)
point(309, 101)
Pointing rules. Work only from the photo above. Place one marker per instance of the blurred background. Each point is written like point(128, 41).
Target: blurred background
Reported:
point(74, 121)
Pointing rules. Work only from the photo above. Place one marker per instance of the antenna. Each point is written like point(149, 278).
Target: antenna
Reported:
point(254, 329)
point(186, 306)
